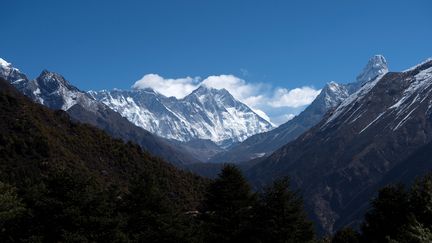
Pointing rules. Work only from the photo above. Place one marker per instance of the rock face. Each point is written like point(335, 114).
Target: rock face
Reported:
point(263, 144)
point(364, 142)
point(55, 92)
point(206, 113)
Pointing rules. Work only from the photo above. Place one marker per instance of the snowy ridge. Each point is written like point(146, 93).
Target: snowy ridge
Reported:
point(49, 89)
point(8, 72)
point(418, 65)
point(349, 102)
point(416, 89)
point(66, 96)
point(417, 93)
point(206, 113)
point(334, 94)
point(374, 70)
point(4, 63)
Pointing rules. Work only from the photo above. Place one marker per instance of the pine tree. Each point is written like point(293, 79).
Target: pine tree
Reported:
point(413, 232)
point(421, 199)
point(227, 207)
point(151, 216)
point(419, 225)
point(280, 217)
point(389, 213)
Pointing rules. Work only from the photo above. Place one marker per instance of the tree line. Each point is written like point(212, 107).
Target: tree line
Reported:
point(397, 215)
point(67, 207)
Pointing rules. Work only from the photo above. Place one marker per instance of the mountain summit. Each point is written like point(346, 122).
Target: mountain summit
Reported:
point(376, 66)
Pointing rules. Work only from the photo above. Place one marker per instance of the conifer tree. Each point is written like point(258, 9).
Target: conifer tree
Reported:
point(280, 216)
point(389, 213)
point(421, 199)
point(227, 207)
point(151, 216)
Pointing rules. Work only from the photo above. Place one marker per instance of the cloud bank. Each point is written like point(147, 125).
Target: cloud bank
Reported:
point(178, 88)
point(275, 104)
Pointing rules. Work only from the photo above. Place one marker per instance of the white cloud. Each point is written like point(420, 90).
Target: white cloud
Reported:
point(261, 98)
point(236, 86)
point(293, 98)
point(178, 88)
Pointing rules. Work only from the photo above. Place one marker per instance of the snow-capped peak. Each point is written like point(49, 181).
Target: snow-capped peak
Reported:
point(10, 73)
point(376, 66)
point(4, 63)
point(332, 85)
point(48, 76)
point(331, 95)
point(53, 90)
point(205, 89)
point(51, 82)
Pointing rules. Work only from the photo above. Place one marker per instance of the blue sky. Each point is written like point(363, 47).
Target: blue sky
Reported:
point(276, 45)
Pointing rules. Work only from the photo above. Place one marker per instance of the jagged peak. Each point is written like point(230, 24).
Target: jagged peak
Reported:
point(49, 78)
point(206, 89)
point(332, 88)
point(48, 74)
point(376, 66)
point(10, 73)
point(203, 88)
point(105, 91)
point(147, 90)
point(4, 63)
point(7, 65)
point(376, 59)
point(332, 85)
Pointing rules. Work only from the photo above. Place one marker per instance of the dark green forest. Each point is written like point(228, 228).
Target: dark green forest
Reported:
point(61, 181)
